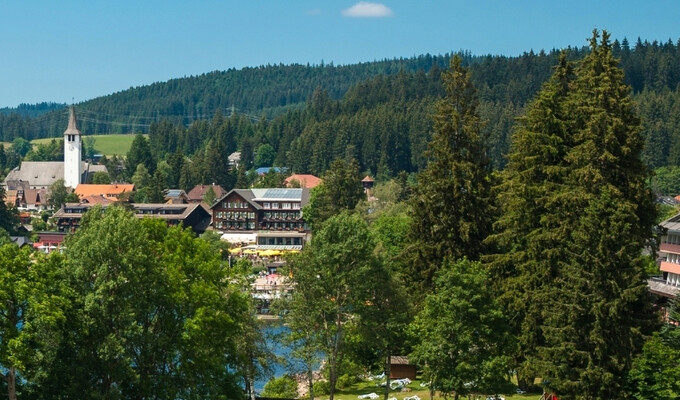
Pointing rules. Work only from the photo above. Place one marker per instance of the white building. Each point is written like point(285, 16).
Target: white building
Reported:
point(72, 153)
point(42, 174)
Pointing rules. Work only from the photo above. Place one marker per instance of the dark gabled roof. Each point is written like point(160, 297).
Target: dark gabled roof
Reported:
point(672, 224)
point(20, 240)
point(253, 196)
point(198, 191)
point(246, 194)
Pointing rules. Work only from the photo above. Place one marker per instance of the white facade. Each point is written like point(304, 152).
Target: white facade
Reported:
point(72, 153)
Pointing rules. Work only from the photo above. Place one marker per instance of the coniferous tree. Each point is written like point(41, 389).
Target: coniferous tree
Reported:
point(451, 202)
point(340, 190)
point(577, 215)
point(139, 153)
point(526, 235)
point(9, 216)
point(601, 309)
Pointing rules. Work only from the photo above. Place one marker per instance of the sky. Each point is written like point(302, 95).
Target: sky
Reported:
point(70, 51)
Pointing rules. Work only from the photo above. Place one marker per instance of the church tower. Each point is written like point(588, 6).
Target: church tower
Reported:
point(72, 150)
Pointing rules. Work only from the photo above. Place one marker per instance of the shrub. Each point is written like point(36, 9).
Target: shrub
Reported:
point(322, 388)
point(346, 380)
point(282, 387)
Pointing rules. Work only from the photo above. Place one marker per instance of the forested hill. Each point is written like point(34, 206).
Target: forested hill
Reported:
point(377, 111)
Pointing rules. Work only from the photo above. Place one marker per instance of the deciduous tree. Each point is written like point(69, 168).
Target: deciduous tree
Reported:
point(461, 335)
point(334, 287)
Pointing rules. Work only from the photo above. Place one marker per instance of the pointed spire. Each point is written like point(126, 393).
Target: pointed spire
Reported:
point(72, 125)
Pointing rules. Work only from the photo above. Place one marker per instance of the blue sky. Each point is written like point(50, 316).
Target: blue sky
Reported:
point(81, 49)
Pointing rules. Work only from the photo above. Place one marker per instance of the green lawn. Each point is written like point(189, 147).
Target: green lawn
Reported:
point(105, 144)
point(361, 388)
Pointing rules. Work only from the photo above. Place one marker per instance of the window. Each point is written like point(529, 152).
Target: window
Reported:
point(275, 205)
point(266, 205)
point(285, 206)
point(251, 215)
point(296, 206)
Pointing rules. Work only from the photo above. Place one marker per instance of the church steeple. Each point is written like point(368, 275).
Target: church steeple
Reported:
point(72, 125)
point(72, 152)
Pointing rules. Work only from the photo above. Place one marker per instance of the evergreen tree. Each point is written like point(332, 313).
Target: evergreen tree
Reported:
point(9, 216)
point(526, 237)
point(601, 309)
point(340, 190)
point(451, 202)
point(3, 160)
point(577, 215)
point(139, 153)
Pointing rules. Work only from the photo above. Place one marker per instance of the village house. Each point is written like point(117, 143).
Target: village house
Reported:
point(668, 284)
point(193, 216)
point(303, 180)
point(175, 196)
point(111, 192)
point(270, 218)
point(197, 193)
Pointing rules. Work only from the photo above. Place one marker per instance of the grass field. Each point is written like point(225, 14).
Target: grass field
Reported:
point(363, 388)
point(107, 145)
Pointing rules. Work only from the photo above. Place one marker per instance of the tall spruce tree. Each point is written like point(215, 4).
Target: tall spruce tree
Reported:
point(451, 202)
point(526, 237)
point(601, 309)
point(572, 246)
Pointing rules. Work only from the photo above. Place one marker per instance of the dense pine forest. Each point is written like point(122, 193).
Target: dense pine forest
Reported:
point(378, 112)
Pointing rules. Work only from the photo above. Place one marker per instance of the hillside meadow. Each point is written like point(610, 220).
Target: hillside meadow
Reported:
point(107, 145)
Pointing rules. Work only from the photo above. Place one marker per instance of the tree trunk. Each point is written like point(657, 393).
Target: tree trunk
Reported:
point(387, 370)
point(310, 378)
point(12, 384)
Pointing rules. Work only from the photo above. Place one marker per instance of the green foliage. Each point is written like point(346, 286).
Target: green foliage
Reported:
point(322, 388)
point(340, 191)
point(451, 205)
point(9, 215)
point(271, 179)
point(335, 279)
point(209, 196)
point(101, 178)
point(283, 387)
point(656, 373)
point(156, 314)
point(577, 213)
point(21, 146)
point(666, 181)
point(139, 153)
point(51, 151)
point(527, 235)
point(346, 380)
point(461, 336)
point(108, 145)
point(264, 155)
point(38, 224)
point(58, 194)
point(31, 309)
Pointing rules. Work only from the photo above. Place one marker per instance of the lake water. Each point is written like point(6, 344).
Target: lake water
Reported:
point(271, 329)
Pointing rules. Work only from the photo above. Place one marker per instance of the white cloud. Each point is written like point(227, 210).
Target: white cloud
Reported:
point(368, 10)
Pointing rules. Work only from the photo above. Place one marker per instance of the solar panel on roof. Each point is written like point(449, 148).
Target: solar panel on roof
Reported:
point(281, 193)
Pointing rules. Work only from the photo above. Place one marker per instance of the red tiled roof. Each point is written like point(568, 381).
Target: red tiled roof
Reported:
point(306, 180)
point(113, 190)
